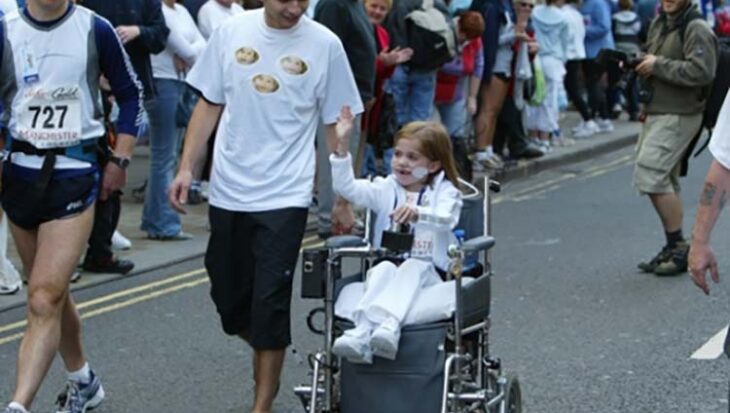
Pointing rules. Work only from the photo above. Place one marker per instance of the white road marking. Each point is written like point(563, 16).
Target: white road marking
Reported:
point(713, 348)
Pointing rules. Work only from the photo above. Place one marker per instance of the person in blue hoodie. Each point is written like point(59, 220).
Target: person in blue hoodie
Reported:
point(597, 15)
point(553, 36)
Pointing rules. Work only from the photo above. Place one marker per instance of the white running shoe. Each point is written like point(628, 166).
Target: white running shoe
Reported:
point(384, 341)
point(578, 127)
point(10, 283)
point(488, 160)
point(604, 125)
point(588, 129)
point(120, 242)
point(75, 276)
point(354, 345)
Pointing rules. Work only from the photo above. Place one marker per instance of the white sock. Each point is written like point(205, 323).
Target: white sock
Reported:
point(489, 150)
point(18, 406)
point(82, 375)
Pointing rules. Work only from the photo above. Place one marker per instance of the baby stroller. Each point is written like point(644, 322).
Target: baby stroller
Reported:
point(442, 367)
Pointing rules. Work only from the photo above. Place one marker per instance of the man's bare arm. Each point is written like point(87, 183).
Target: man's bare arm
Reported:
point(203, 121)
point(714, 195)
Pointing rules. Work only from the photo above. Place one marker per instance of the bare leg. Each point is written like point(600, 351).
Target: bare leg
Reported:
point(70, 346)
point(58, 247)
point(267, 372)
point(492, 99)
point(669, 208)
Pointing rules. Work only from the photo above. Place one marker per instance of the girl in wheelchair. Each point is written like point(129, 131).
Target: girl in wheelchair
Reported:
point(422, 191)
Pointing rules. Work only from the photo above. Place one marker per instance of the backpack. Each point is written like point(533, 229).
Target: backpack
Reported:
point(715, 93)
point(431, 36)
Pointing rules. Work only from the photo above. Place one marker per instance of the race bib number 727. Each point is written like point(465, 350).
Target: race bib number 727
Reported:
point(50, 118)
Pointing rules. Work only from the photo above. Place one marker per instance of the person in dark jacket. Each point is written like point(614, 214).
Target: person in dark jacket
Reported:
point(349, 21)
point(141, 27)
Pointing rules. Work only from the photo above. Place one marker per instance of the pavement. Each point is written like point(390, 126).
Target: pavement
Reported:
point(151, 255)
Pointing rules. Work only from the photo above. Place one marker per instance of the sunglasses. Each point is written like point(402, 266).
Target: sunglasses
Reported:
point(528, 5)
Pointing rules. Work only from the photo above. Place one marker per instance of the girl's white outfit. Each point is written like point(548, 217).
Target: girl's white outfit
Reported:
point(383, 303)
point(553, 36)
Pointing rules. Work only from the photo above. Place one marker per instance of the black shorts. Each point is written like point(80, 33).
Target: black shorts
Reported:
point(68, 193)
point(251, 259)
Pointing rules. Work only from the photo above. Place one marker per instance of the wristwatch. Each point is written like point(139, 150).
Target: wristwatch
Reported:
point(120, 161)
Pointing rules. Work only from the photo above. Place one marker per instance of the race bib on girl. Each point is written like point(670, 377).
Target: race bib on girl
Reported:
point(50, 118)
point(423, 239)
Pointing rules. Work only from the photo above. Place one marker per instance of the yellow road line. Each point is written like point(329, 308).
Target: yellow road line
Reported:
point(551, 184)
point(10, 339)
point(124, 304)
point(312, 245)
point(118, 294)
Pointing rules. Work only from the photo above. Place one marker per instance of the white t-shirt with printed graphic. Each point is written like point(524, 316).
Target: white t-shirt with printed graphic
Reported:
point(277, 86)
point(422, 238)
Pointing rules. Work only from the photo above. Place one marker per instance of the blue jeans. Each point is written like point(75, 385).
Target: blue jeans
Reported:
point(370, 164)
point(453, 116)
point(158, 217)
point(413, 93)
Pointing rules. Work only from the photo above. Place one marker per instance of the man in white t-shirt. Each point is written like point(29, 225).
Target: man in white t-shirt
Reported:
point(715, 194)
point(214, 13)
point(266, 89)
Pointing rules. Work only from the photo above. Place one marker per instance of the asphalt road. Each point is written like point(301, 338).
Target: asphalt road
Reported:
point(583, 329)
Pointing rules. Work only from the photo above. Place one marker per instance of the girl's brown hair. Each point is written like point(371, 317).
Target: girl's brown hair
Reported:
point(435, 144)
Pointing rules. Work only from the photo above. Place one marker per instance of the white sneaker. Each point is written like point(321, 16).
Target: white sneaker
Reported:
point(11, 288)
point(489, 160)
point(120, 242)
point(604, 125)
point(10, 283)
point(587, 130)
point(204, 189)
point(384, 341)
point(354, 345)
point(578, 127)
point(75, 276)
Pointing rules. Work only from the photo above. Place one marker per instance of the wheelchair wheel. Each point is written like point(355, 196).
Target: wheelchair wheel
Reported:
point(513, 395)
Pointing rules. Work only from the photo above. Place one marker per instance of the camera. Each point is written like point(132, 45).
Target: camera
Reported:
point(628, 63)
point(398, 238)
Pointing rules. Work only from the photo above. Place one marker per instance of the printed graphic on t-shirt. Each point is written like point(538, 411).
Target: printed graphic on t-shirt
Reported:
point(247, 56)
point(294, 65)
point(265, 83)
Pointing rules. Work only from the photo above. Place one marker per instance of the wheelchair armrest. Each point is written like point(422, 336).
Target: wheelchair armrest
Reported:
point(478, 244)
point(345, 241)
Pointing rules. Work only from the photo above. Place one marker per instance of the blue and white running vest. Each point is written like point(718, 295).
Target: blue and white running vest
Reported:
point(50, 80)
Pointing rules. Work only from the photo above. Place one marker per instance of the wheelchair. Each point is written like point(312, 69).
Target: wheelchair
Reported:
point(444, 367)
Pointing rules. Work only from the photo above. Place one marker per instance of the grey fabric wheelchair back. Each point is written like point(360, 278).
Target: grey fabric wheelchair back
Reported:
point(413, 382)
